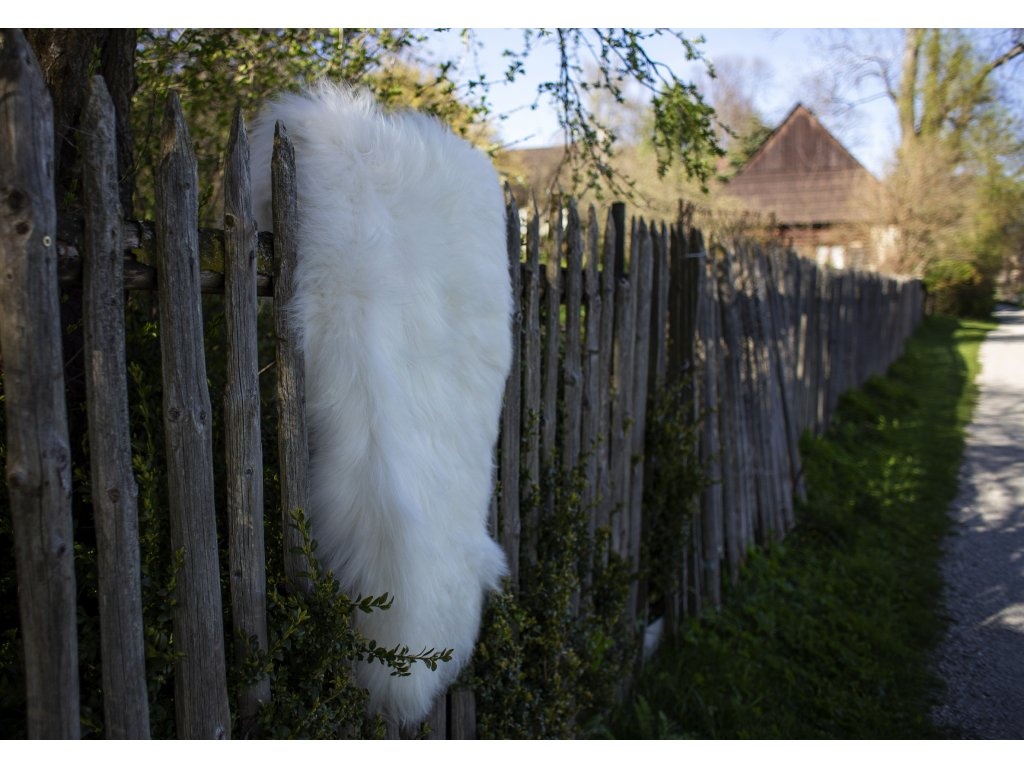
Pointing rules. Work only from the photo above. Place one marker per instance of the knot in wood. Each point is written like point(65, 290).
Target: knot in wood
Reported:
point(18, 478)
point(15, 200)
point(114, 495)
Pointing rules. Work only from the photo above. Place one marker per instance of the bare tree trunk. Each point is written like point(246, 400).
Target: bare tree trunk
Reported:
point(912, 40)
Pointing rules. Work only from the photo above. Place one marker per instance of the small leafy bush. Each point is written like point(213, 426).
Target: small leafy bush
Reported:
point(958, 289)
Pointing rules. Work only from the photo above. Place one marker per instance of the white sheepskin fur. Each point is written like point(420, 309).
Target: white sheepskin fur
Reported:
point(404, 302)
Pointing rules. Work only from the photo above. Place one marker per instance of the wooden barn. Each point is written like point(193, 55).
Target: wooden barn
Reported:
point(816, 193)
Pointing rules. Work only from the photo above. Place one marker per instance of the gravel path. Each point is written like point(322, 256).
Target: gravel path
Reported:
point(982, 656)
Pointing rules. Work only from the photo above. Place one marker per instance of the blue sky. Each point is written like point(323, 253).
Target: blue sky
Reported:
point(789, 60)
point(792, 54)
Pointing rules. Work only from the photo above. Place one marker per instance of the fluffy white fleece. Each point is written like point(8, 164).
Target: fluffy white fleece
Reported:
point(404, 302)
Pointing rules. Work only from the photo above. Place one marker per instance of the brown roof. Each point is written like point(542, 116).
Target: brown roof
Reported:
point(803, 175)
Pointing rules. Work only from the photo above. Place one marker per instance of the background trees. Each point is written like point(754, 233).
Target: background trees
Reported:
point(954, 186)
point(218, 69)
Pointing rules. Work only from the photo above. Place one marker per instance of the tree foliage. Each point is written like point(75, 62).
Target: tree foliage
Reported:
point(217, 69)
point(614, 63)
point(961, 124)
point(955, 120)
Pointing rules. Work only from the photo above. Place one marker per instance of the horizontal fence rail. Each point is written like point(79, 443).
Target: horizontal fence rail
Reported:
point(612, 315)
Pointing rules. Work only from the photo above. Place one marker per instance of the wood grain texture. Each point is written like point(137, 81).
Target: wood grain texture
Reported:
point(292, 440)
point(200, 686)
point(531, 397)
point(114, 492)
point(244, 450)
point(508, 506)
point(38, 467)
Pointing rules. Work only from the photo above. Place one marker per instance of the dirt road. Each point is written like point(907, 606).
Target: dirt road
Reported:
point(982, 657)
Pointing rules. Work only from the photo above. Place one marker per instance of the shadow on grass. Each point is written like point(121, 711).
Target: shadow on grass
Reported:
point(828, 634)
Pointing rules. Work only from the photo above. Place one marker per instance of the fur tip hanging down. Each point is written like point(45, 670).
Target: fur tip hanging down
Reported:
point(403, 300)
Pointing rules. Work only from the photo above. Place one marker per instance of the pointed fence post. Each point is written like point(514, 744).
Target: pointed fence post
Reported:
point(244, 459)
point(114, 493)
point(293, 445)
point(38, 466)
point(510, 415)
point(200, 680)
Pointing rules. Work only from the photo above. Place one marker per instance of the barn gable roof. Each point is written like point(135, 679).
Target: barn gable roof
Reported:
point(803, 175)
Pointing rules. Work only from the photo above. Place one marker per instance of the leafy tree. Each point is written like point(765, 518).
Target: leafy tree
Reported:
point(960, 142)
point(612, 61)
point(953, 117)
point(731, 89)
point(218, 69)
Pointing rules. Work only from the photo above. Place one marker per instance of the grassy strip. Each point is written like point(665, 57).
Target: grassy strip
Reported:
point(828, 634)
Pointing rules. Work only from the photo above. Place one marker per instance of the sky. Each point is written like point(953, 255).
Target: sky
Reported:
point(788, 62)
point(739, 29)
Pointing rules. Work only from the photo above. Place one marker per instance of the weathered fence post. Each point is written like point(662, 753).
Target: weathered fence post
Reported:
point(622, 410)
point(531, 395)
point(510, 414)
point(572, 385)
point(641, 273)
point(244, 451)
point(38, 471)
point(114, 493)
point(293, 445)
point(606, 501)
point(593, 416)
point(200, 681)
point(738, 493)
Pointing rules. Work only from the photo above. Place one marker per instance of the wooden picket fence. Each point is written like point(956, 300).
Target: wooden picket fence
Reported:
point(609, 313)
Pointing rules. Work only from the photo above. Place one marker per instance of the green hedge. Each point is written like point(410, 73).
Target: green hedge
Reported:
point(958, 289)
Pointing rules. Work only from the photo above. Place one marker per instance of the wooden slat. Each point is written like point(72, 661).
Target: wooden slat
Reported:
point(737, 468)
point(531, 413)
point(712, 517)
point(38, 469)
point(114, 493)
point(622, 405)
point(551, 286)
point(572, 391)
point(782, 308)
point(641, 269)
point(244, 457)
point(756, 399)
point(591, 384)
point(139, 243)
point(510, 430)
point(674, 603)
point(200, 690)
point(437, 720)
point(606, 501)
point(693, 583)
point(659, 311)
point(461, 713)
point(292, 440)
point(552, 337)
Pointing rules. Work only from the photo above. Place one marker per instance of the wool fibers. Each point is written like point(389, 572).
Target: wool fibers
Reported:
point(403, 302)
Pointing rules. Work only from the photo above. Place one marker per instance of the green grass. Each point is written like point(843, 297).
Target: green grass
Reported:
point(828, 634)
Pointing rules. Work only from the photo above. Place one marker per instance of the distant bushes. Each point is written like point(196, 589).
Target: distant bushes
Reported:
point(959, 289)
